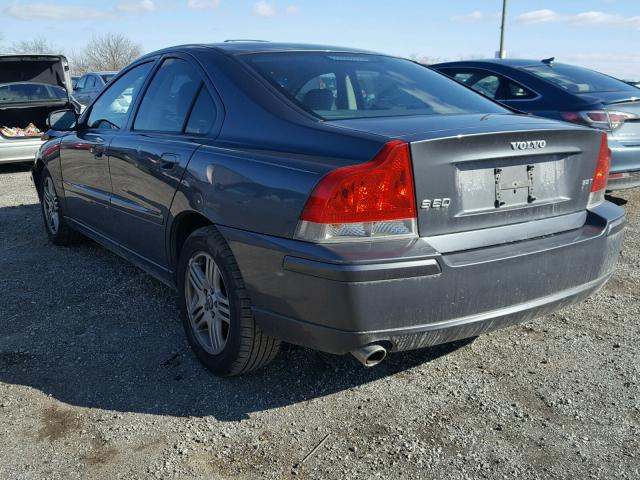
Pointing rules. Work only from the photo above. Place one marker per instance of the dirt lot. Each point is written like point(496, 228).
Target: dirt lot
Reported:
point(97, 381)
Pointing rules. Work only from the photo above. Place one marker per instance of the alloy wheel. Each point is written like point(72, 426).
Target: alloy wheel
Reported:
point(50, 206)
point(207, 302)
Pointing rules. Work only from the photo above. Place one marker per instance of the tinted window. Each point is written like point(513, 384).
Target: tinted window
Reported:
point(81, 83)
point(112, 107)
point(576, 79)
point(203, 114)
point(168, 99)
point(339, 86)
point(30, 92)
point(107, 77)
point(91, 82)
point(491, 84)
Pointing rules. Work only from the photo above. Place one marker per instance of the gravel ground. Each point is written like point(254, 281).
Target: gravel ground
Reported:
point(97, 381)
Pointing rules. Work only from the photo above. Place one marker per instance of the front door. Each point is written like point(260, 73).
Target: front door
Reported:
point(84, 154)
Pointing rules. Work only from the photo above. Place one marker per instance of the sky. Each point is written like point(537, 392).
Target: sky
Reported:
point(600, 34)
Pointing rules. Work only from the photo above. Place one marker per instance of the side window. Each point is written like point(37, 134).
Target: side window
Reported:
point(112, 107)
point(203, 114)
point(487, 85)
point(166, 103)
point(492, 85)
point(516, 91)
point(81, 83)
point(91, 82)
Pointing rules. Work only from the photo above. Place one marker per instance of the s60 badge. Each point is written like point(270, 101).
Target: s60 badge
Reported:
point(428, 203)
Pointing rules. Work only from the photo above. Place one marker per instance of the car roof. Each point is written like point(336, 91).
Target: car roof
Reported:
point(509, 62)
point(245, 47)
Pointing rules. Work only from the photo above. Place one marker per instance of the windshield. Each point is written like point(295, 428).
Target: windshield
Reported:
point(576, 79)
point(337, 86)
point(107, 77)
point(31, 92)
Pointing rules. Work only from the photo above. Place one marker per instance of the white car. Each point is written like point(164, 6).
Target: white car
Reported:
point(31, 87)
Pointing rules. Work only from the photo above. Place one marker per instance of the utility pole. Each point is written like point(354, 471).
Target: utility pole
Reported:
point(501, 52)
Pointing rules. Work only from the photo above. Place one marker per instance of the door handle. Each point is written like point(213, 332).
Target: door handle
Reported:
point(168, 161)
point(98, 149)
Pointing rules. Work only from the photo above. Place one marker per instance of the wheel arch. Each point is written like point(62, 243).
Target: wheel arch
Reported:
point(36, 174)
point(183, 225)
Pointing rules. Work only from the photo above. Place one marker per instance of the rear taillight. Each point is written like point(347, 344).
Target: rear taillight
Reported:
point(601, 175)
point(372, 200)
point(603, 119)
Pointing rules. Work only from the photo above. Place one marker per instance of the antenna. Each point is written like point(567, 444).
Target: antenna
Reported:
point(548, 61)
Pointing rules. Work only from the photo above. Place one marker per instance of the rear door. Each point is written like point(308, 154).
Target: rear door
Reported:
point(147, 161)
point(84, 154)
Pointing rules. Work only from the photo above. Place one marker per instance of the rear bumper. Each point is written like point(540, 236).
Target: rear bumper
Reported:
point(407, 295)
point(19, 150)
point(625, 166)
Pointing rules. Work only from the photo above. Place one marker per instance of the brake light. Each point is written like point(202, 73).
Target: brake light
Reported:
point(601, 175)
point(599, 118)
point(375, 199)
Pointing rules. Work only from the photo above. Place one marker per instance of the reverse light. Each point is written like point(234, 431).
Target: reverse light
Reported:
point(369, 201)
point(601, 175)
point(599, 118)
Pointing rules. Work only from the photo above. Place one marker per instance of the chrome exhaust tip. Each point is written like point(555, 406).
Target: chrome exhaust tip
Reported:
point(371, 355)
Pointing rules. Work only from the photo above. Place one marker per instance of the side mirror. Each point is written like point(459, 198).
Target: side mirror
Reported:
point(62, 120)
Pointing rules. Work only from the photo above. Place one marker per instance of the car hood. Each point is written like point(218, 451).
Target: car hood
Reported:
point(47, 69)
point(422, 127)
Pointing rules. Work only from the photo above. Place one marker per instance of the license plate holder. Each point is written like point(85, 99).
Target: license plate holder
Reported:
point(514, 185)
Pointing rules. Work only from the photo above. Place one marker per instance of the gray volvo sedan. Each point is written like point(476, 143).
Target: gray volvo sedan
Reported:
point(334, 198)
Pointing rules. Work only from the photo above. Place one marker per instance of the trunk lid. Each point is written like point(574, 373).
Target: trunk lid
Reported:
point(474, 172)
point(472, 182)
point(624, 101)
point(44, 69)
point(628, 133)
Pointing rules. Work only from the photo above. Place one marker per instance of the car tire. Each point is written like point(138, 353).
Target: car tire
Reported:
point(58, 230)
point(216, 310)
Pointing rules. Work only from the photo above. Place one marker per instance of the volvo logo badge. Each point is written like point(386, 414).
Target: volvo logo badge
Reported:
point(529, 145)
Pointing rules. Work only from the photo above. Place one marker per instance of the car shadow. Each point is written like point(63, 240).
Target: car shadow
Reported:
point(91, 330)
point(14, 167)
point(617, 200)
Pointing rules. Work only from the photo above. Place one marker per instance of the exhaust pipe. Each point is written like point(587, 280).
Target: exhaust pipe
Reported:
point(371, 355)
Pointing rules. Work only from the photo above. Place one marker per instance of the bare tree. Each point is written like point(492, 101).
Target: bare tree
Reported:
point(35, 45)
point(426, 60)
point(111, 51)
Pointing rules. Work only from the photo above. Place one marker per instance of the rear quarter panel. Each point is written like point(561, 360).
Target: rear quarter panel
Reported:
point(259, 192)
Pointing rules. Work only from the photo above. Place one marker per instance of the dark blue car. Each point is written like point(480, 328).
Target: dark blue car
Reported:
point(564, 92)
point(343, 200)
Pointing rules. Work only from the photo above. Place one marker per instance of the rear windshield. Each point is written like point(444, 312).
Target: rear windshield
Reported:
point(576, 79)
point(30, 92)
point(344, 85)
